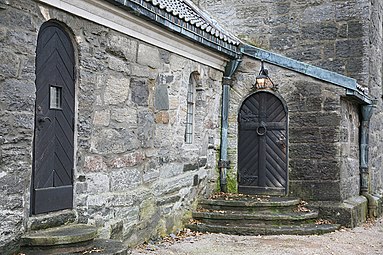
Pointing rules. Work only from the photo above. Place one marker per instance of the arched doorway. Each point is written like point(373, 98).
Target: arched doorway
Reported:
point(53, 150)
point(262, 145)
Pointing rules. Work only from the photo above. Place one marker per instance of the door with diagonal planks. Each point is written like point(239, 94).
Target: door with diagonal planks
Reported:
point(262, 145)
point(53, 154)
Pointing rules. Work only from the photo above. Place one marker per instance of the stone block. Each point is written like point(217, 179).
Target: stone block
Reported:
point(350, 48)
point(151, 176)
point(351, 10)
point(174, 184)
point(140, 92)
point(122, 200)
point(146, 128)
point(161, 98)
point(101, 118)
point(116, 230)
point(12, 183)
point(97, 183)
point(315, 190)
point(319, 13)
point(349, 213)
point(165, 56)
point(116, 90)
point(89, 62)
point(140, 71)
point(14, 18)
point(18, 95)
point(355, 65)
point(191, 167)
point(23, 42)
point(118, 65)
point(162, 118)
point(98, 201)
point(10, 64)
point(12, 202)
point(305, 53)
point(166, 200)
point(148, 56)
point(355, 29)
point(125, 179)
point(125, 115)
point(304, 134)
point(170, 170)
point(121, 47)
point(51, 220)
point(23, 120)
point(311, 169)
point(328, 119)
point(108, 141)
point(127, 160)
point(94, 163)
point(321, 31)
point(329, 135)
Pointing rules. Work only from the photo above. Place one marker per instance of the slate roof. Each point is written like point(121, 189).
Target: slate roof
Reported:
point(185, 19)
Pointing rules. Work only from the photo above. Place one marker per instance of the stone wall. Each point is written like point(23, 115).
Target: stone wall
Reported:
point(320, 159)
point(18, 35)
point(341, 36)
point(134, 175)
point(329, 34)
point(375, 85)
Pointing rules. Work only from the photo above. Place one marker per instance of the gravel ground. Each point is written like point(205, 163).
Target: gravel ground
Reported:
point(367, 239)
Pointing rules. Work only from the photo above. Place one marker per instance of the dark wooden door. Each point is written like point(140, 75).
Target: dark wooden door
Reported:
point(262, 145)
point(54, 121)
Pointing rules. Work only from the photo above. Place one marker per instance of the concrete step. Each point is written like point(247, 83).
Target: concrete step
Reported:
point(250, 203)
point(302, 229)
point(241, 218)
point(96, 246)
point(68, 234)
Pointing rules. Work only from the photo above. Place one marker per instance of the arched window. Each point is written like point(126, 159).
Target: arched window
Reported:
point(189, 131)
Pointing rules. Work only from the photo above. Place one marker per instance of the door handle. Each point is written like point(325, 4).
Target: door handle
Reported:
point(43, 119)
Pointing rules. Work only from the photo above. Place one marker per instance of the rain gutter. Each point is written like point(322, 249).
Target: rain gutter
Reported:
point(353, 90)
point(224, 163)
point(366, 113)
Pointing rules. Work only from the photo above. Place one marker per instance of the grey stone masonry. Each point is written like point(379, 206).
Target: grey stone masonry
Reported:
point(133, 177)
point(330, 34)
point(341, 36)
point(323, 133)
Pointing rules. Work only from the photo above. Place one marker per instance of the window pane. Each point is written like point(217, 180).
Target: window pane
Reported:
point(55, 97)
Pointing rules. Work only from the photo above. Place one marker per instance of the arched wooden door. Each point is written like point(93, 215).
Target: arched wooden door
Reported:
point(262, 145)
point(53, 155)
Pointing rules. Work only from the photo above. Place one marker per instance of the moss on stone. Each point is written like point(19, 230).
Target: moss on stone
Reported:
point(232, 186)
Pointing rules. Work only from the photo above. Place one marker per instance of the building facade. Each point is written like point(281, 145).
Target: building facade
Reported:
point(121, 114)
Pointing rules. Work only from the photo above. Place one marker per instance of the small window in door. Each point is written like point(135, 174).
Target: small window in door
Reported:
point(55, 97)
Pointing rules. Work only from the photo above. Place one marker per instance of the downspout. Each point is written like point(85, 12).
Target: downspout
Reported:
point(223, 163)
point(366, 113)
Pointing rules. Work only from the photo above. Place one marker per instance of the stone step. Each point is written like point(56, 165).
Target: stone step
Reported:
point(241, 218)
point(68, 234)
point(250, 203)
point(96, 246)
point(302, 229)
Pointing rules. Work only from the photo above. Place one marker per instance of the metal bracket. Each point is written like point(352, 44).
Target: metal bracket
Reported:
point(224, 164)
point(227, 81)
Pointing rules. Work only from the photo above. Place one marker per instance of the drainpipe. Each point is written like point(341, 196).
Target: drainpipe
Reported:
point(366, 113)
point(223, 163)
